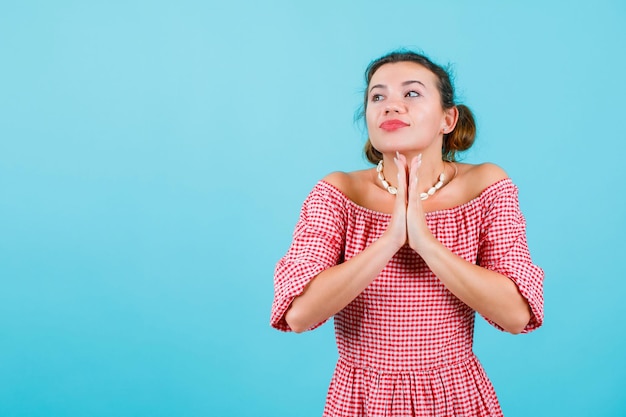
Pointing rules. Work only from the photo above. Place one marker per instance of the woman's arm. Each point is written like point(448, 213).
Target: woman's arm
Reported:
point(333, 289)
point(489, 293)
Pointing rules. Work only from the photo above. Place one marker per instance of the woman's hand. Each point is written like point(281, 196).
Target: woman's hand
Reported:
point(397, 231)
point(417, 229)
point(408, 221)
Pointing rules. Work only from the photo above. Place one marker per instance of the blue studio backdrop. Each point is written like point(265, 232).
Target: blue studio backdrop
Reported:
point(154, 156)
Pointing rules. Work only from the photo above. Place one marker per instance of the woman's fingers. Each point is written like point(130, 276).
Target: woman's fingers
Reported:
point(413, 188)
point(401, 165)
point(417, 229)
point(397, 225)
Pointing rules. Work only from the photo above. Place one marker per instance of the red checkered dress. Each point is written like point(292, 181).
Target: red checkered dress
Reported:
point(405, 343)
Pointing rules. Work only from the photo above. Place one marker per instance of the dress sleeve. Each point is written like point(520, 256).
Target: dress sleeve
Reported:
point(503, 248)
point(318, 243)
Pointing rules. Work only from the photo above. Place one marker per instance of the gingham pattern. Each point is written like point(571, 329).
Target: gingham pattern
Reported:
point(405, 343)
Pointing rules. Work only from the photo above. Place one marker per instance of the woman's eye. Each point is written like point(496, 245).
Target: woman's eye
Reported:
point(377, 97)
point(413, 94)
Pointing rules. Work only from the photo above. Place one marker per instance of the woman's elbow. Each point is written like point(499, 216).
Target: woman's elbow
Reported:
point(294, 320)
point(515, 329)
point(518, 322)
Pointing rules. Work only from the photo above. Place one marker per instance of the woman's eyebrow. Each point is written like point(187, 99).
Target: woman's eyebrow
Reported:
point(377, 86)
point(414, 82)
point(404, 83)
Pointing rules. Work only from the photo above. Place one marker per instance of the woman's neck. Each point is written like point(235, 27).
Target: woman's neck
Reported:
point(429, 171)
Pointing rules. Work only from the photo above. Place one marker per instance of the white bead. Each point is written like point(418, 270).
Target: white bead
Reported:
point(393, 190)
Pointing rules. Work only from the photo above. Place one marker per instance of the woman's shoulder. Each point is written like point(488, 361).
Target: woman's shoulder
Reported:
point(470, 182)
point(359, 187)
point(482, 175)
point(486, 173)
point(349, 183)
point(476, 178)
point(339, 180)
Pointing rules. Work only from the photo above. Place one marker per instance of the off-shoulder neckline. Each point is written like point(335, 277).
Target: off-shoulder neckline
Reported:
point(491, 188)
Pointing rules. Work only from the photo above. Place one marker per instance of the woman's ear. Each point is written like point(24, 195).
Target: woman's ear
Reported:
point(451, 116)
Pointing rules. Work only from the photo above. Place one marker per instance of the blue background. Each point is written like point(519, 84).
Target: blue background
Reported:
point(154, 156)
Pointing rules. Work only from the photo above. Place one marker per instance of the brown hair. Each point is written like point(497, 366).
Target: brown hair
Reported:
point(460, 139)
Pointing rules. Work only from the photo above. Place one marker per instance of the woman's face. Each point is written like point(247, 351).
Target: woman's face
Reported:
point(404, 111)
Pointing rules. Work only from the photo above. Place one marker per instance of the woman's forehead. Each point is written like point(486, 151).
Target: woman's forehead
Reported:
point(402, 71)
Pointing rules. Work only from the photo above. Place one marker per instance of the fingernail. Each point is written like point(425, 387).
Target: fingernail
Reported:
point(397, 154)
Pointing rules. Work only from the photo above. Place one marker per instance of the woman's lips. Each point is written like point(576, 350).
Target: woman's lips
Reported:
point(391, 125)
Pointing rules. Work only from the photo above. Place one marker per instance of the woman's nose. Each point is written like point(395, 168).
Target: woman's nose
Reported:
point(394, 107)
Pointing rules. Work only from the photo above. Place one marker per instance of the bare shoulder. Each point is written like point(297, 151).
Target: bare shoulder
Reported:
point(349, 183)
point(339, 180)
point(487, 174)
point(476, 178)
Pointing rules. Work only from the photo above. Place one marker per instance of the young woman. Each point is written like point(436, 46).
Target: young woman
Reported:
point(404, 254)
